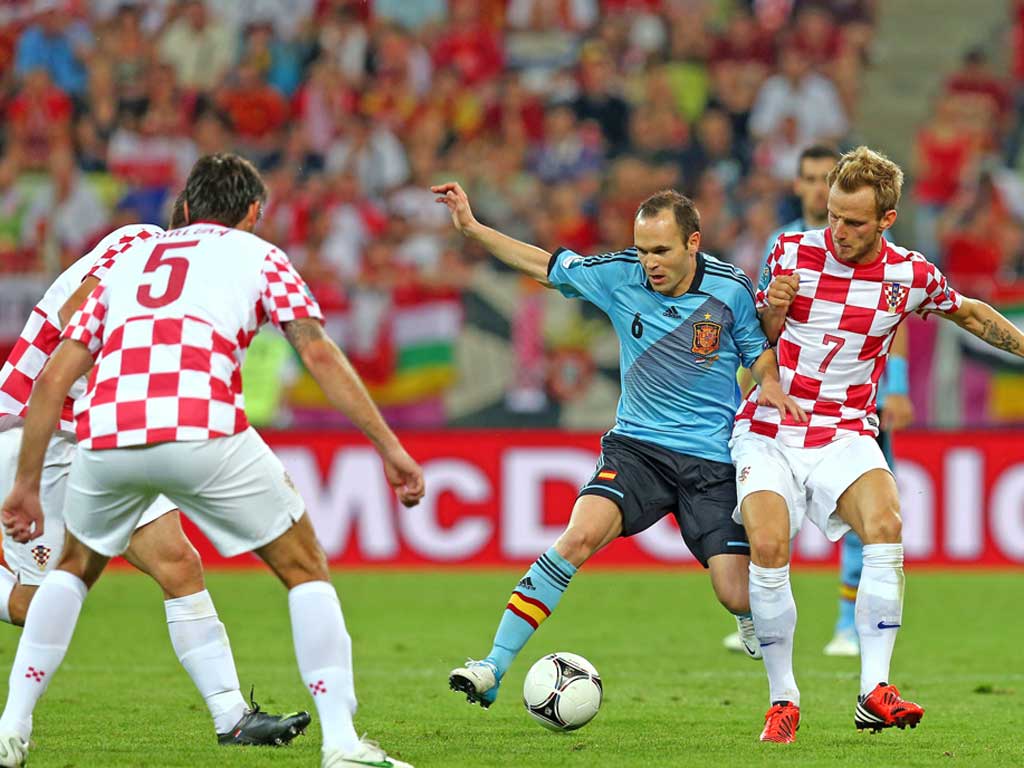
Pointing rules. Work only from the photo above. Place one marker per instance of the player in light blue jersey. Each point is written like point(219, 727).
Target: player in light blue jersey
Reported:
point(685, 322)
point(894, 407)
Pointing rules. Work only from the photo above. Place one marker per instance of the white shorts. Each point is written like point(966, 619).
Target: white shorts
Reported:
point(32, 561)
point(233, 488)
point(811, 480)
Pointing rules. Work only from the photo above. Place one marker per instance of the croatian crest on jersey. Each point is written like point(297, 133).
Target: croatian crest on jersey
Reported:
point(895, 296)
point(706, 337)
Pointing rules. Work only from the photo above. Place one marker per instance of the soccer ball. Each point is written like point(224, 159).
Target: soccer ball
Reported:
point(562, 691)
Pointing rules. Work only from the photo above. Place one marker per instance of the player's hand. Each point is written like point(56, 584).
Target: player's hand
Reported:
point(897, 413)
point(782, 291)
point(771, 394)
point(452, 195)
point(22, 514)
point(404, 475)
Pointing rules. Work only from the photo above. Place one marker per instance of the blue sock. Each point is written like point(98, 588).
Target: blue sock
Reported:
point(533, 600)
point(851, 561)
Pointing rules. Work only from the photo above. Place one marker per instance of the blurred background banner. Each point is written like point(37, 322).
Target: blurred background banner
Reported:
point(500, 497)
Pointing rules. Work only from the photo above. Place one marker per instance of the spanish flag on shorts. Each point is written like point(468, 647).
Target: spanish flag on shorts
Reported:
point(607, 474)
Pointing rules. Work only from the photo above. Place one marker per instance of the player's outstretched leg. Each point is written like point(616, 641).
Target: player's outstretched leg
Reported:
point(49, 626)
point(323, 647)
point(536, 595)
point(200, 640)
point(595, 522)
point(845, 642)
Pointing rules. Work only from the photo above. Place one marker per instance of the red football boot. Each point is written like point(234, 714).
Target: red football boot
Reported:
point(781, 723)
point(884, 708)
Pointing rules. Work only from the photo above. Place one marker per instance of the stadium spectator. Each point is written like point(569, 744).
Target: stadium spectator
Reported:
point(799, 91)
point(200, 48)
point(58, 44)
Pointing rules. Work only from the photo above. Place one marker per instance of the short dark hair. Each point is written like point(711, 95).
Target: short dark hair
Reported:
point(178, 212)
point(221, 187)
point(682, 207)
point(816, 152)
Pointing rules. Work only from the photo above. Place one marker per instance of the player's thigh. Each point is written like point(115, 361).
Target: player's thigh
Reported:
point(234, 489)
point(706, 501)
point(871, 507)
point(32, 560)
point(851, 486)
point(108, 492)
point(771, 501)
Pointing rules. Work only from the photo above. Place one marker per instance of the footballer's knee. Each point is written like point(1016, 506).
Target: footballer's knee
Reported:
point(80, 561)
point(179, 571)
point(768, 549)
point(296, 556)
point(885, 526)
point(577, 544)
point(735, 598)
point(17, 604)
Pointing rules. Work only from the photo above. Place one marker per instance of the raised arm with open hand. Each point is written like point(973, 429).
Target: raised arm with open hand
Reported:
point(523, 257)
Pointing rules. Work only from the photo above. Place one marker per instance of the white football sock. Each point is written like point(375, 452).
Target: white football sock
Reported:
point(774, 612)
point(879, 611)
point(49, 625)
point(8, 581)
point(202, 646)
point(324, 652)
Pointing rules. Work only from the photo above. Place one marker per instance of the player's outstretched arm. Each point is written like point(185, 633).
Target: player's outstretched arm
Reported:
point(22, 514)
point(345, 391)
point(979, 318)
point(780, 295)
point(766, 373)
point(528, 259)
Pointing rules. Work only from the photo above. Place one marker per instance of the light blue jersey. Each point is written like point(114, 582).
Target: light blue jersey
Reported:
point(885, 385)
point(677, 356)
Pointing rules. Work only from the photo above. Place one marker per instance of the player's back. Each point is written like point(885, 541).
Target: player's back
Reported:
point(40, 337)
point(170, 325)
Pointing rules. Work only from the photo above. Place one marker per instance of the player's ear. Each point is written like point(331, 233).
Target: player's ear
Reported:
point(887, 220)
point(693, 244)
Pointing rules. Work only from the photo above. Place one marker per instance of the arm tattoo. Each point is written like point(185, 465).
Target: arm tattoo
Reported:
point(1000, 337)
point(301, 332)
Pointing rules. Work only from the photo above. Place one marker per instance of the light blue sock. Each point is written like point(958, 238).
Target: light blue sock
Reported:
point(851, 561)
point(533, 600)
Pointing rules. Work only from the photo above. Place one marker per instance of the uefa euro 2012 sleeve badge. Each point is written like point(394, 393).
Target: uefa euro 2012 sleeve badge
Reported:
point(707, 336)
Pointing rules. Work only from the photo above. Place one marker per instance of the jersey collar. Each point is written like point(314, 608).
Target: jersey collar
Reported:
point(698, 278)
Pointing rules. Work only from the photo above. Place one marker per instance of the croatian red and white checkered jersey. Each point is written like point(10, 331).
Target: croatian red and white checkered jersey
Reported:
point(837, 334)
point(41, 335)
point(169, 328)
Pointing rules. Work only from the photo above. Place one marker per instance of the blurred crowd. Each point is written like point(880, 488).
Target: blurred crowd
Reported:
point(558, 116)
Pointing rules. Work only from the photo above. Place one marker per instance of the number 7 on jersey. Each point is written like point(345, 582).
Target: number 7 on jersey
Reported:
point(175, 279)
point(838, 341)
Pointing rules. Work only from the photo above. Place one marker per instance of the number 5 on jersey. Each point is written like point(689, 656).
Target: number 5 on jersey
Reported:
point(175, 278)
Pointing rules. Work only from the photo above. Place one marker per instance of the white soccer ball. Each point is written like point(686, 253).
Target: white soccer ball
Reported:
point(562, 691)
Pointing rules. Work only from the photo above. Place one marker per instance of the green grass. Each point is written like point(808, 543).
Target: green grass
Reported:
point(673, 696)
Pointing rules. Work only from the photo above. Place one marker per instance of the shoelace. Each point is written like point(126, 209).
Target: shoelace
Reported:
point(254, 707)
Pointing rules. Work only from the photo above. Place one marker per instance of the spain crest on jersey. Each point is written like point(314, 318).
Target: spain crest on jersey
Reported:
point(895, 296)
point(706, 337)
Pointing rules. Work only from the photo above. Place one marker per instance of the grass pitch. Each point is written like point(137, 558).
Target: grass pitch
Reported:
point(673, 696)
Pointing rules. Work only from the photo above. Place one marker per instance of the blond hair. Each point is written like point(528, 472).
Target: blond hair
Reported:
point(863, 167)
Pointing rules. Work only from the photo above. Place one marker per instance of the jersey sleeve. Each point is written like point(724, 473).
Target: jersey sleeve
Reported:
point(593, 278)
point(746, 328)
point(939, 297)
point(285, 295)
point(88, 324)
point(104, 255)
point(776, 264)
